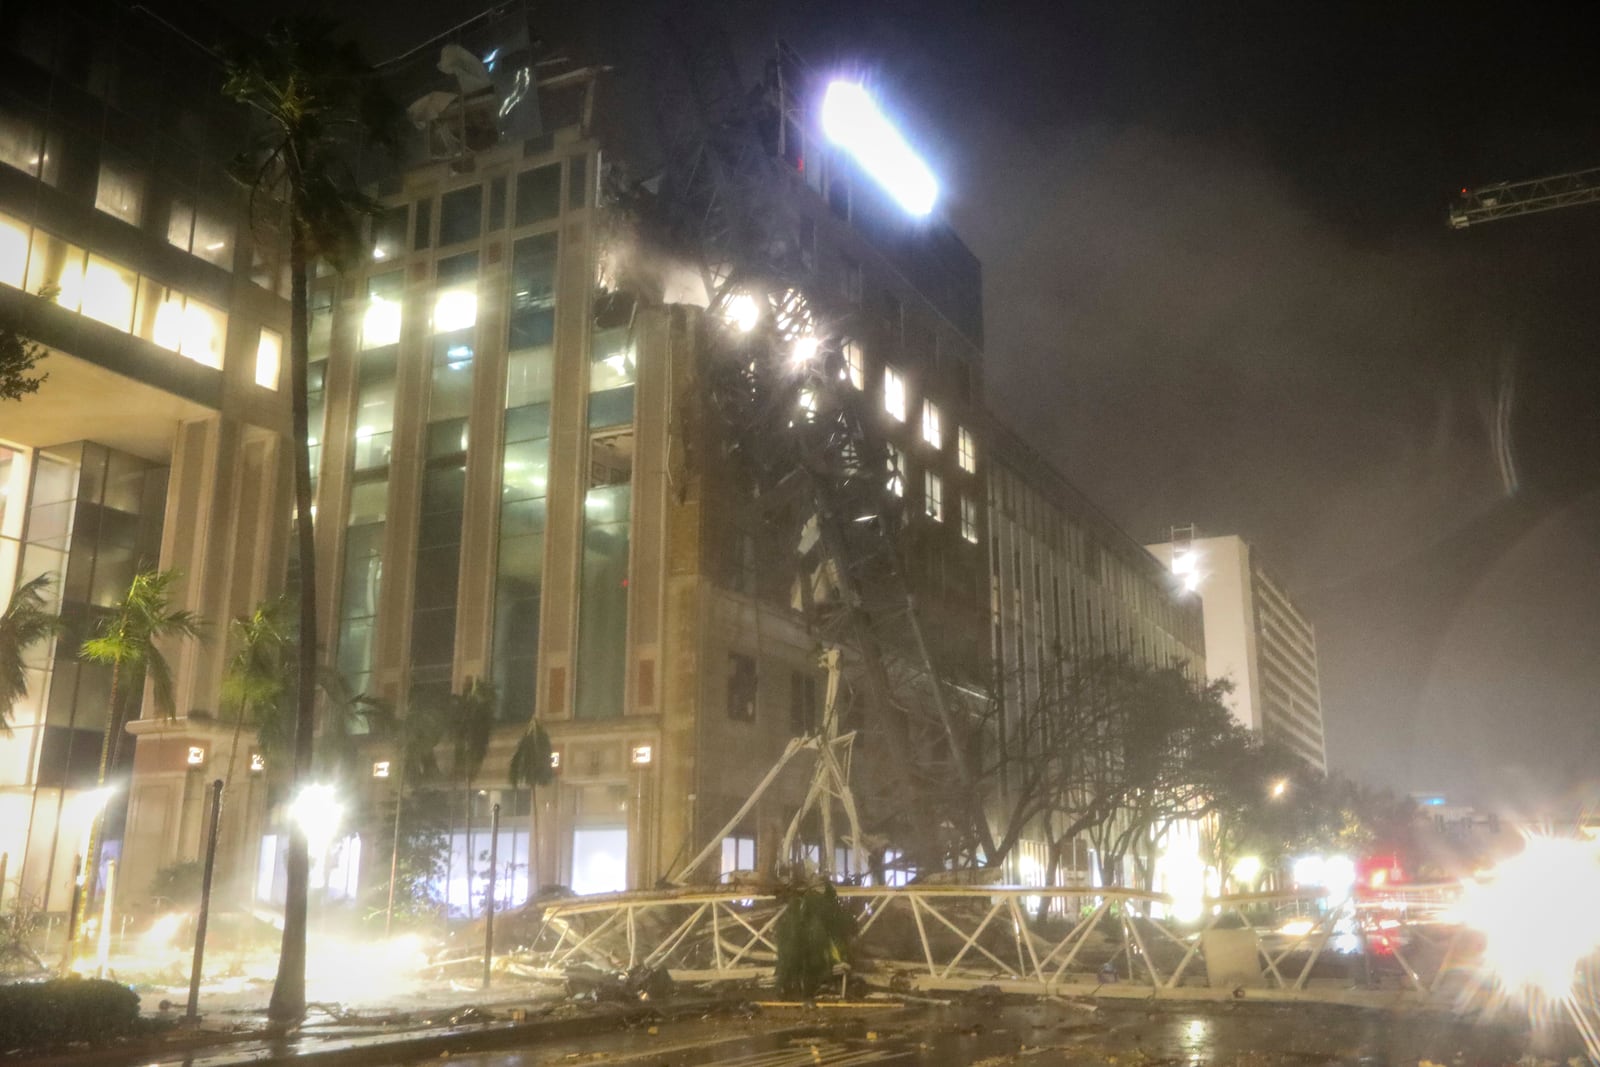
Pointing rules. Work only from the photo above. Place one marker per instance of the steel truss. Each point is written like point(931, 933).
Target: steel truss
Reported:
point(1097, 941)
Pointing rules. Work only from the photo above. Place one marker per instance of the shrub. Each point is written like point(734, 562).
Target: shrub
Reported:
point(813, 936)
point(38, 1015)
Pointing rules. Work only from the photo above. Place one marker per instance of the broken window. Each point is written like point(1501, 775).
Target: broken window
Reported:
point(741, 687)
point(802, 703)
point(854, 370)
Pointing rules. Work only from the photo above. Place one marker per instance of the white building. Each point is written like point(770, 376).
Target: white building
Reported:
point(1257, 639)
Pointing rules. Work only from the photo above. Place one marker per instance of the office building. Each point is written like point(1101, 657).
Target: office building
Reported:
point(1256, 638)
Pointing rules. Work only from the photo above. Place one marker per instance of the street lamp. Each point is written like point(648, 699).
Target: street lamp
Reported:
point(1279, 788)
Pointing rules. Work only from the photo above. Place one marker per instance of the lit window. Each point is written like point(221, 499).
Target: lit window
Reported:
point(808, 404)
point(932, 431)
point(269, 358)
point(108, 293)
point(204, 332)
point(120, 192)
point(55, 262)
point(933, 496)
point(455, 310)
point(966, 451)
point(894, 393)
point(969, 519)
point(897, 472)
point(381, 324)
point(180, 225)
point(19, 143)
point(213, 240)
point(13, 252)
point(854, 370)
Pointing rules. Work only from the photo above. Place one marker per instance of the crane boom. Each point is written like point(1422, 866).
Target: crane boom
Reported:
point(1503, 200)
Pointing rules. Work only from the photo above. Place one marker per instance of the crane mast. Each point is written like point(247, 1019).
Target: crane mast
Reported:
point(1504, 200)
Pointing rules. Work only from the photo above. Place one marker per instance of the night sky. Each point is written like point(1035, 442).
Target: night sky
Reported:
point(1220, 290)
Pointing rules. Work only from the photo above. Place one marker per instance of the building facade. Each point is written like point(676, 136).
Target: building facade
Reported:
point(157, 439)
point(1257, 639)
point(519, 479)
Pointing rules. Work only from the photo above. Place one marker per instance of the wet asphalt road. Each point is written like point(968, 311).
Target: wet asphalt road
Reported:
point(1042, 1035)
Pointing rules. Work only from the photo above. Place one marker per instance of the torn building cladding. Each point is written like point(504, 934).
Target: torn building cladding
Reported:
point(641, 401)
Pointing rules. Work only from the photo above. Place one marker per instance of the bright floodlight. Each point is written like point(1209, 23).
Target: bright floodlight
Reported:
point(1537, 913)
point(316, 809)
point(743, 312)
point(851, 119)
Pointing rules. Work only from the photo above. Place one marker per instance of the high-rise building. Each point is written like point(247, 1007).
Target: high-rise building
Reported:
point(157, 439)
point(1255, 638)
point(523, 463)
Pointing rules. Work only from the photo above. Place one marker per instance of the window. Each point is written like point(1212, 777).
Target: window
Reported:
point(933, 496)
point(55, 262)
point(802, 703)
point(389, 234)
point(533, 292)
point(269, 357)
point(969, 520)
point(456, 305)
point(538, 194)
point(854, 370)
point(20, 143)
point(738, 854)
point(183, 324)
point(199, 233)
point(13, 251)
point(897, 472)
point(932, 431)
point(966, 450)
point(108, 291)
point(850, 275)
point(120, 192)
point(180, 224)
point(460, 215)
point(894, 394)
point(213, 240)
point(380, 324)
point(741, 688)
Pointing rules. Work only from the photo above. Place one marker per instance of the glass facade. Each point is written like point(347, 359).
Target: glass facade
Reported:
point(444, 476)
point(603, 582)
point(371, 443)
point(519, 572)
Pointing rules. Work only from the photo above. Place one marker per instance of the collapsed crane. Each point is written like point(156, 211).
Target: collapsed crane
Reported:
point(819, 482)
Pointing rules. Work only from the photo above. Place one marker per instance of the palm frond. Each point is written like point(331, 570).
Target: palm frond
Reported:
point(27, 621)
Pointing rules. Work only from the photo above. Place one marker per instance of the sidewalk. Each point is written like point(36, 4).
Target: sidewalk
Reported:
point(453, 1022)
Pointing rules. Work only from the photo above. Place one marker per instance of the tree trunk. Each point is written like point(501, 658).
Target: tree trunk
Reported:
point(289, 991)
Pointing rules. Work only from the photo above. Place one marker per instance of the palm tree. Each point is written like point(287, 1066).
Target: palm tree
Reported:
point(471, 724)
point(313, 99)
point(27, 621)
point(129, 643)
point(255, 679)
point(347, 716)
point(530, 766)
point(421, 731)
